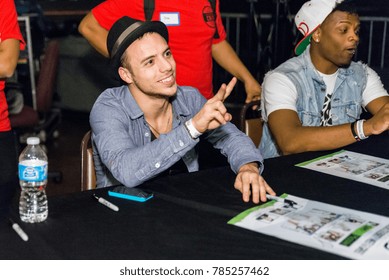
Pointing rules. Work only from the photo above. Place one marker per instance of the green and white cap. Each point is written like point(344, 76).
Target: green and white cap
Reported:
point(309, 18)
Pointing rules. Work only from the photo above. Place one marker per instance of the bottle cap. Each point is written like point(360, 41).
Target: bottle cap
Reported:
point(33, 141)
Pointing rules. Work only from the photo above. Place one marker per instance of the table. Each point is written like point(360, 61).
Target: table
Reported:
point(187, 218)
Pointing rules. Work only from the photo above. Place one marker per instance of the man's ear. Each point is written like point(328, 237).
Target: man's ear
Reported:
point(316, 35)
point(125, 75)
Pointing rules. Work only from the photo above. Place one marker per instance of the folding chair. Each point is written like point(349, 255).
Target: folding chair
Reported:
point(88, 175)
point(251, 122)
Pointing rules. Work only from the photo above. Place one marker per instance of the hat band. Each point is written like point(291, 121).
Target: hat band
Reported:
point(123, 36)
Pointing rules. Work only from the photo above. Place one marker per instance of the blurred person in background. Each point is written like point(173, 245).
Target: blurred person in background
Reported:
point(11, 41)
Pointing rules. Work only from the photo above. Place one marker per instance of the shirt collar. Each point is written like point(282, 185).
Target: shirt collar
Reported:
point(135, 112)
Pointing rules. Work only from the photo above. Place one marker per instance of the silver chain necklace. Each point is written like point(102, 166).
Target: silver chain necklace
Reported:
point(155, 130)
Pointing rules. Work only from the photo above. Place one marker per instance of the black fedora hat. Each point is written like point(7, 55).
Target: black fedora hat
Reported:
point(125, 31)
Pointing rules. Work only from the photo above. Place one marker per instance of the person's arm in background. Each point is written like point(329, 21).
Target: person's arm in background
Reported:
point(9, 55)
point(227, 58)
point(11, 39)
point(94, 33)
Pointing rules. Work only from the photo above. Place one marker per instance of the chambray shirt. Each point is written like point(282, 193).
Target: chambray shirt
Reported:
point(124, 153)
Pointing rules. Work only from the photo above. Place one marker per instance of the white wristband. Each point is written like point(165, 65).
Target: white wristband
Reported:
point(194, 133)
point(360, 131)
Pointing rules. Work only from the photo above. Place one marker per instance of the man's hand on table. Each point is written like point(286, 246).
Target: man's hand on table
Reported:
point(250, 183)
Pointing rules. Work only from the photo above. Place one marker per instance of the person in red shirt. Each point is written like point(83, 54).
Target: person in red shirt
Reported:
point(192, 26)
point(11, 40)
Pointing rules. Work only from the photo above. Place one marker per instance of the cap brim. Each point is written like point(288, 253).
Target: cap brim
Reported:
point(302, 45)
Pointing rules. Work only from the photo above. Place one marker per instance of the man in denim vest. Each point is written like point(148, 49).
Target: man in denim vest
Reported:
point(314, 101)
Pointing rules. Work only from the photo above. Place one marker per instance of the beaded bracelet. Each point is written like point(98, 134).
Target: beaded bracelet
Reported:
point(361, 133)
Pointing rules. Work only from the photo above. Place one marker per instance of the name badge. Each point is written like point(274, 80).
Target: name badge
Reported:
point(170, 19)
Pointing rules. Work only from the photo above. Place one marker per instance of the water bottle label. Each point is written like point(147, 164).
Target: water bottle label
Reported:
point(35, 173)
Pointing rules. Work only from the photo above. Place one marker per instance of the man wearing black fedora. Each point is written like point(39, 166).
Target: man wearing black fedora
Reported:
point(151, 126)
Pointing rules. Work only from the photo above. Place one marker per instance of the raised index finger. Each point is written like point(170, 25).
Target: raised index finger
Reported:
point(224, 91)
point(230, 87)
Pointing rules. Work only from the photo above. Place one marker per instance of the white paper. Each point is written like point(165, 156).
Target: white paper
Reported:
point(354, 166)
point(345, 232)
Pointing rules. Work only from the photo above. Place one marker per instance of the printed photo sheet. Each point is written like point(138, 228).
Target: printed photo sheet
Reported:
point(349, 233)
point(354, 166)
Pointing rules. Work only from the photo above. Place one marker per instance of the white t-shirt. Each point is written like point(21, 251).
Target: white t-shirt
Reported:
point(280, 93)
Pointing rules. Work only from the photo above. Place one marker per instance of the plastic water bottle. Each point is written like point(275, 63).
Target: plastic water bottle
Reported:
point(33, 167)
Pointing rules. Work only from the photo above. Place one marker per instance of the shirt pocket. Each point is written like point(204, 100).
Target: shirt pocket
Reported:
point(346, 113)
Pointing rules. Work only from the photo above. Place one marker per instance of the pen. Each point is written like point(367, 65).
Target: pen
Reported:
point(279, 199)
point(18, 230)
point(106, 203)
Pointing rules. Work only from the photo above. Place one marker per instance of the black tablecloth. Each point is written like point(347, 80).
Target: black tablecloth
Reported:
point(187, 218)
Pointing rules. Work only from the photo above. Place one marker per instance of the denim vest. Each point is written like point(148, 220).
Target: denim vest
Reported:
point(346, 102)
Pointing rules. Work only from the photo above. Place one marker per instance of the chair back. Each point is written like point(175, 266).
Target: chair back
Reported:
point(47, 76)
point(251, 122)
point(88, 174)
point(45, 86)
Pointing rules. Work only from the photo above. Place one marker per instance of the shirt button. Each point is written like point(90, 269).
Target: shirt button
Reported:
point(147, 134)
point(181, 143)
point(157, 165)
